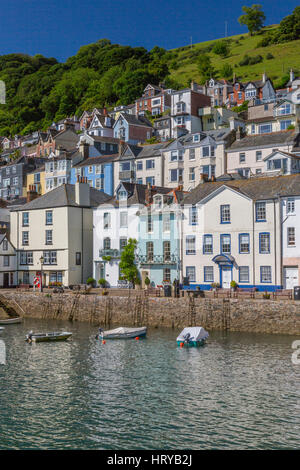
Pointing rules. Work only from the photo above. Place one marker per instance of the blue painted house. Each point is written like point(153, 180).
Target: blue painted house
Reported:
point(158, 253)
point(99, 172)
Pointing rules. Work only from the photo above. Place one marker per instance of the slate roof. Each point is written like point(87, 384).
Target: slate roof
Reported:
point(264, 140)
point(141, 121)
point(97, 160)
point(257, 188)
point(63, 196)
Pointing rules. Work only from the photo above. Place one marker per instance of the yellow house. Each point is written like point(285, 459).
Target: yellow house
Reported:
point(37, 179)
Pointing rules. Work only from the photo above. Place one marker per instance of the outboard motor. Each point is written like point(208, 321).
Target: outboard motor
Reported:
point(187, 338)
point(100, 334)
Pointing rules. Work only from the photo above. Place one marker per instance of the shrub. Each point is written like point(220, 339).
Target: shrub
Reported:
point(102, 282)
point(266, 41)
point(269, 56)
point(221, 48)
point(147, 281)
point(246, 60)
point(90, 281)
point(233, 284)
point(226, 71)
point(266, 295)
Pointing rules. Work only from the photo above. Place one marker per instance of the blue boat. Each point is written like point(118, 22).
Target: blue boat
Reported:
point(192, 336)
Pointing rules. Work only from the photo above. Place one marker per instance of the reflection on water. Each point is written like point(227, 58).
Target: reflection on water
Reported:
point(239, 391)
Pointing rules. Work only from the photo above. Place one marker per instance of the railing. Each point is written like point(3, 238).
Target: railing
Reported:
point(113, 253)
point(157, 259)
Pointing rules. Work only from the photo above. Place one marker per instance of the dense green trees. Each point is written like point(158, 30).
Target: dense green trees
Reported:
point(253, 18)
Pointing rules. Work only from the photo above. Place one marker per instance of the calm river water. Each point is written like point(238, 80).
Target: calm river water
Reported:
point(239, 391)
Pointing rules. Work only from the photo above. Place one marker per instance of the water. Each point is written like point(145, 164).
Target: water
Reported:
point(239, 391)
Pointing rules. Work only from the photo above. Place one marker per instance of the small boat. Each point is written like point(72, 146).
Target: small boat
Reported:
point(1, 329)
point(192, 336)
point(122, 332)
point(10, 321)
point(45, 337)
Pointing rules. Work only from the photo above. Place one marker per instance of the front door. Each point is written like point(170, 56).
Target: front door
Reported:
point(5, 279)
point(290, 276)
point(226, 278)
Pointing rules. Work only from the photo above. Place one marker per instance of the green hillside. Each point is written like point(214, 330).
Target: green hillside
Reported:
point(285, 57)
point(40, 90)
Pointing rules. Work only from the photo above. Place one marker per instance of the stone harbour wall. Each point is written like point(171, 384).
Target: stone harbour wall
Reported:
point(245, 315)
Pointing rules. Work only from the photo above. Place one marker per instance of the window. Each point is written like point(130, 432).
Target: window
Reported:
point(26, 277)
point(285, 124)
point(48, 237)
point(166, 222)
point(139, 181)
point(149, 251)
point(242, 157)
point(192, 154)
point(150, 164)
point(193, 216)
point(190, 243)
point(205, 152)
point(167, 250)
point(258, 155)
point(225, 214)
point(244, 274)
point(106, 220)
point(122, 195)
point(252, 128)
point(264, 243)
point(190, 272)
point(192, 174)
point(167, 274)
point(15, 181)
point(225, 244)
point(244, 242)
point(265, 128)
point(208, 274)
point(260, 210)
point(90, 169)
point(50, 257)
point(265, 274)
point(55, 277)
point(123, 219)
point(25, 238)
point(149, 223)
point(284, 109)
point(26, 257)
point(5, 245)
point(78, 258)
point(290, 206)
point(6, 260)
point(49, 217)
point(151, 180)
point(139, 165)
point(106, 243)
point(25, 219)
point(291, 239)
point(123, 243)
point(99, 184)
point(196, 137)
point(208, 245)
point(258, 171)
point(98, 169)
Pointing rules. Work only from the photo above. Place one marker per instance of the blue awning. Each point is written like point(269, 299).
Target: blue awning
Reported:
point(225, 260)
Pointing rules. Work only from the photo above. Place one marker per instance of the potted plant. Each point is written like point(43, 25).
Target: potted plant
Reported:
point(215, 286)
point(147, 282)
point(102, 283)
point(233, 285)
point(266, 295)
point(91, 281)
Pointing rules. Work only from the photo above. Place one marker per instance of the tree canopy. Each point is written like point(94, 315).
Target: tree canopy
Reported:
point(253, 18)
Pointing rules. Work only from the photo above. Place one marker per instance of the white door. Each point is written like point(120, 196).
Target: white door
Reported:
point(290, 277)
point(226, 278)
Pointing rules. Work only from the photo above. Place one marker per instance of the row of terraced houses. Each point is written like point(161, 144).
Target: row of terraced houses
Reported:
point(210, 194)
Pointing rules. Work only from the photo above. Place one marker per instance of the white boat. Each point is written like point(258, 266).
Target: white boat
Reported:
point(192, 336)
point(45, 337)
point(1, 329)
point(122, 332)
point(10, 321)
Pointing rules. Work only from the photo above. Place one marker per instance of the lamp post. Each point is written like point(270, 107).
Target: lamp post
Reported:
point(42, 262)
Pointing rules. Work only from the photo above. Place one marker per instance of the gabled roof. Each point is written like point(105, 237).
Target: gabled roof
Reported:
point(254, 188)
point(97, 160)
point(284, 154)
point(63, 196)
point(263, 140)
point(133, 120)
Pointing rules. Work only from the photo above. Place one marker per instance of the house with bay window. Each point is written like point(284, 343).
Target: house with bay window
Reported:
point(115, 221)
point(58, 168)
point(265, 118)
point(158, 252)
point(184, 113)
point(53, 235)
point(239, 231)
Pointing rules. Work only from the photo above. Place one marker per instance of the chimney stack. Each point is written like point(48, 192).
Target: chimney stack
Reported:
point(264, 77)
point(292, 75)
point(82, 192)
point(148, 193)
point(31, 193)
point(202, 178)
point(84, 149)
point(239, 133)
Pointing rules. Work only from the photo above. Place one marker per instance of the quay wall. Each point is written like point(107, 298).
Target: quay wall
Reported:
point(245, 315)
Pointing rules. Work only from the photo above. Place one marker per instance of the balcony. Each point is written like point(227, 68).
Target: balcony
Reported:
point(126, 175)
point(157, 259)
point(113, 253)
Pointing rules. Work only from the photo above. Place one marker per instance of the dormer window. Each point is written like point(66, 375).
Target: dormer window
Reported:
point(196, 138)
point(122, 195)
point(158, 202)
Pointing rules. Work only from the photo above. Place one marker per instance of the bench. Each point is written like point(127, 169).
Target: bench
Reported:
point(220, 291)
point(283, 293)
point(245, 291)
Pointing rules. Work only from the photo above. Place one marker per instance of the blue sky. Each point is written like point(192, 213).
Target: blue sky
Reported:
point(57, 28)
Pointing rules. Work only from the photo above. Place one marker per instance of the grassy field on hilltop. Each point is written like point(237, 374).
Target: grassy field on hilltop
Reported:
point(286, 56)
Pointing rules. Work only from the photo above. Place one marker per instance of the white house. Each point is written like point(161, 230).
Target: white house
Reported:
point(8, 261)
point(290, 215)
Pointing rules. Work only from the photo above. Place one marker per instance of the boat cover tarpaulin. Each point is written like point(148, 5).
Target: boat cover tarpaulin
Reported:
point(197, 333)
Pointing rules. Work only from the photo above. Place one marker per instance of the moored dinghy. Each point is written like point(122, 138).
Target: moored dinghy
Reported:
point(123, 332)
point(192, 336)
point(1, 329)
point(45, 337)
point(10, 321)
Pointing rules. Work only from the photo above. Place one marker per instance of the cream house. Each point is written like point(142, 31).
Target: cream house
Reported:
point(8, 261)
point(53, 234)
point(239, 231)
